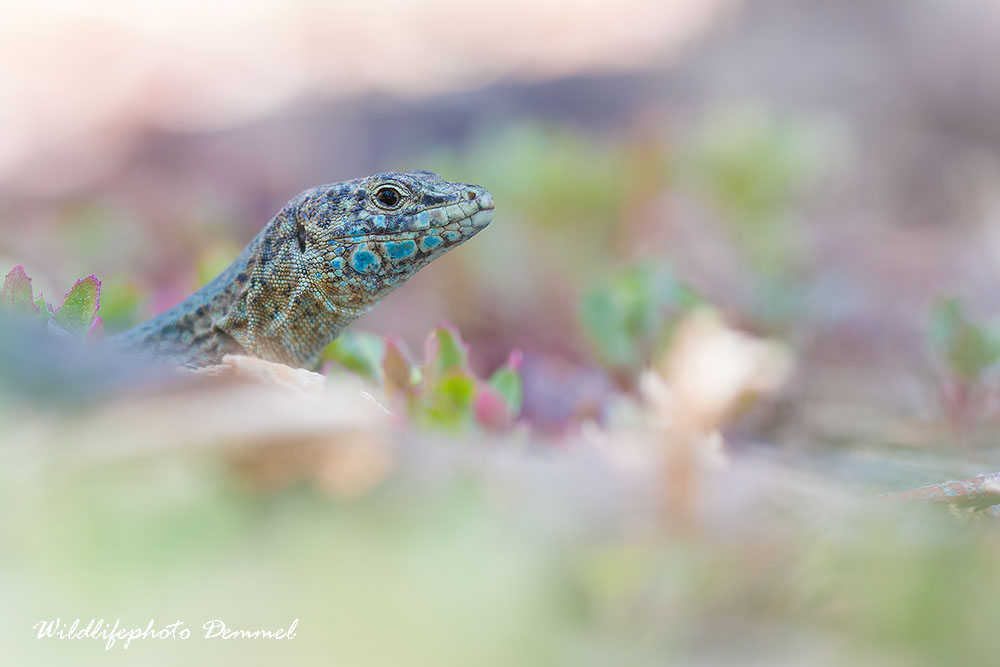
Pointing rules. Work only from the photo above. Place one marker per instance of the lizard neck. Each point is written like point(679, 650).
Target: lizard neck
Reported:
point(280, 309)
point(187, 333)
point(267, 303)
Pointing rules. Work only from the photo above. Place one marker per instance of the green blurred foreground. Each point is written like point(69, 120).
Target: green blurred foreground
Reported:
point(487, 554)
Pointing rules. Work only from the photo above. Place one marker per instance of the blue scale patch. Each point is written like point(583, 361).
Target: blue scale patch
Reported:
point(451, 235)
point(400, 249)
point(363, 260)
point(422, 220)
point(430, 242)
point(337, 263)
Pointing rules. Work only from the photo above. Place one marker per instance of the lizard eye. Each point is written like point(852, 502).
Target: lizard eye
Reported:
point(388, 197)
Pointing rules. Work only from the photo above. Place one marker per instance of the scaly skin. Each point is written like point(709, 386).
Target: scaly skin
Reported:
point(324, 260)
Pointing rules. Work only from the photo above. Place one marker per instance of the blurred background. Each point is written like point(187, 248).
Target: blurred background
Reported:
point(828, 169)
point(826, 175)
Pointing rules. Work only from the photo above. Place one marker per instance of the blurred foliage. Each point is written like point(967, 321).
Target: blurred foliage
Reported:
point(214, 260)
point(360, 353)
point(755, 167)
point(755, 163)
point(559, 175)
point(967, 353)
point(968, 349)
point(578, 202)
point(442, 392)
point(121, 304)
point(627, 315)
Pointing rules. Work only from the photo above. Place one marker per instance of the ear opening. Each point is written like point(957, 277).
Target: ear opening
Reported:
point(300, 233)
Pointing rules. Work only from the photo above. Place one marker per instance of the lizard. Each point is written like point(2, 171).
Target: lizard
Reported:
point(327, 257)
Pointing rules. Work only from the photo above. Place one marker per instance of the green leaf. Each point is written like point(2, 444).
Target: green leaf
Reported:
point(44, 308)
point(506, 381)
point(79, 306)
point(968, 348)
point(16, 296)
point(627, 315)
point(945, 321)
point(361, 353)
point(603, 321)
point(445, 352)
point(449, 401)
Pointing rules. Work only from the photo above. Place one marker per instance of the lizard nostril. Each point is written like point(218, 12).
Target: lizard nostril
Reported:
point(471, 194)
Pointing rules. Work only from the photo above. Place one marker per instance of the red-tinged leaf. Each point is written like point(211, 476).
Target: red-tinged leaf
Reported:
point(16, 296)
point(396, 367)
point(491, 408)
point(79, 306)
point(431, 347)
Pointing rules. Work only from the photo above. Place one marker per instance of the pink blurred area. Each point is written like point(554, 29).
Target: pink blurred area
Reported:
point(84, 82)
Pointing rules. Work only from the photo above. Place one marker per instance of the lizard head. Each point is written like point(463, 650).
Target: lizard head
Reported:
point(332, 252)
point(365, 237)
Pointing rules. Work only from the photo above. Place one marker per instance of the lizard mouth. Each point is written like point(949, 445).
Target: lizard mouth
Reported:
point(394, 236)
point(485, 201)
